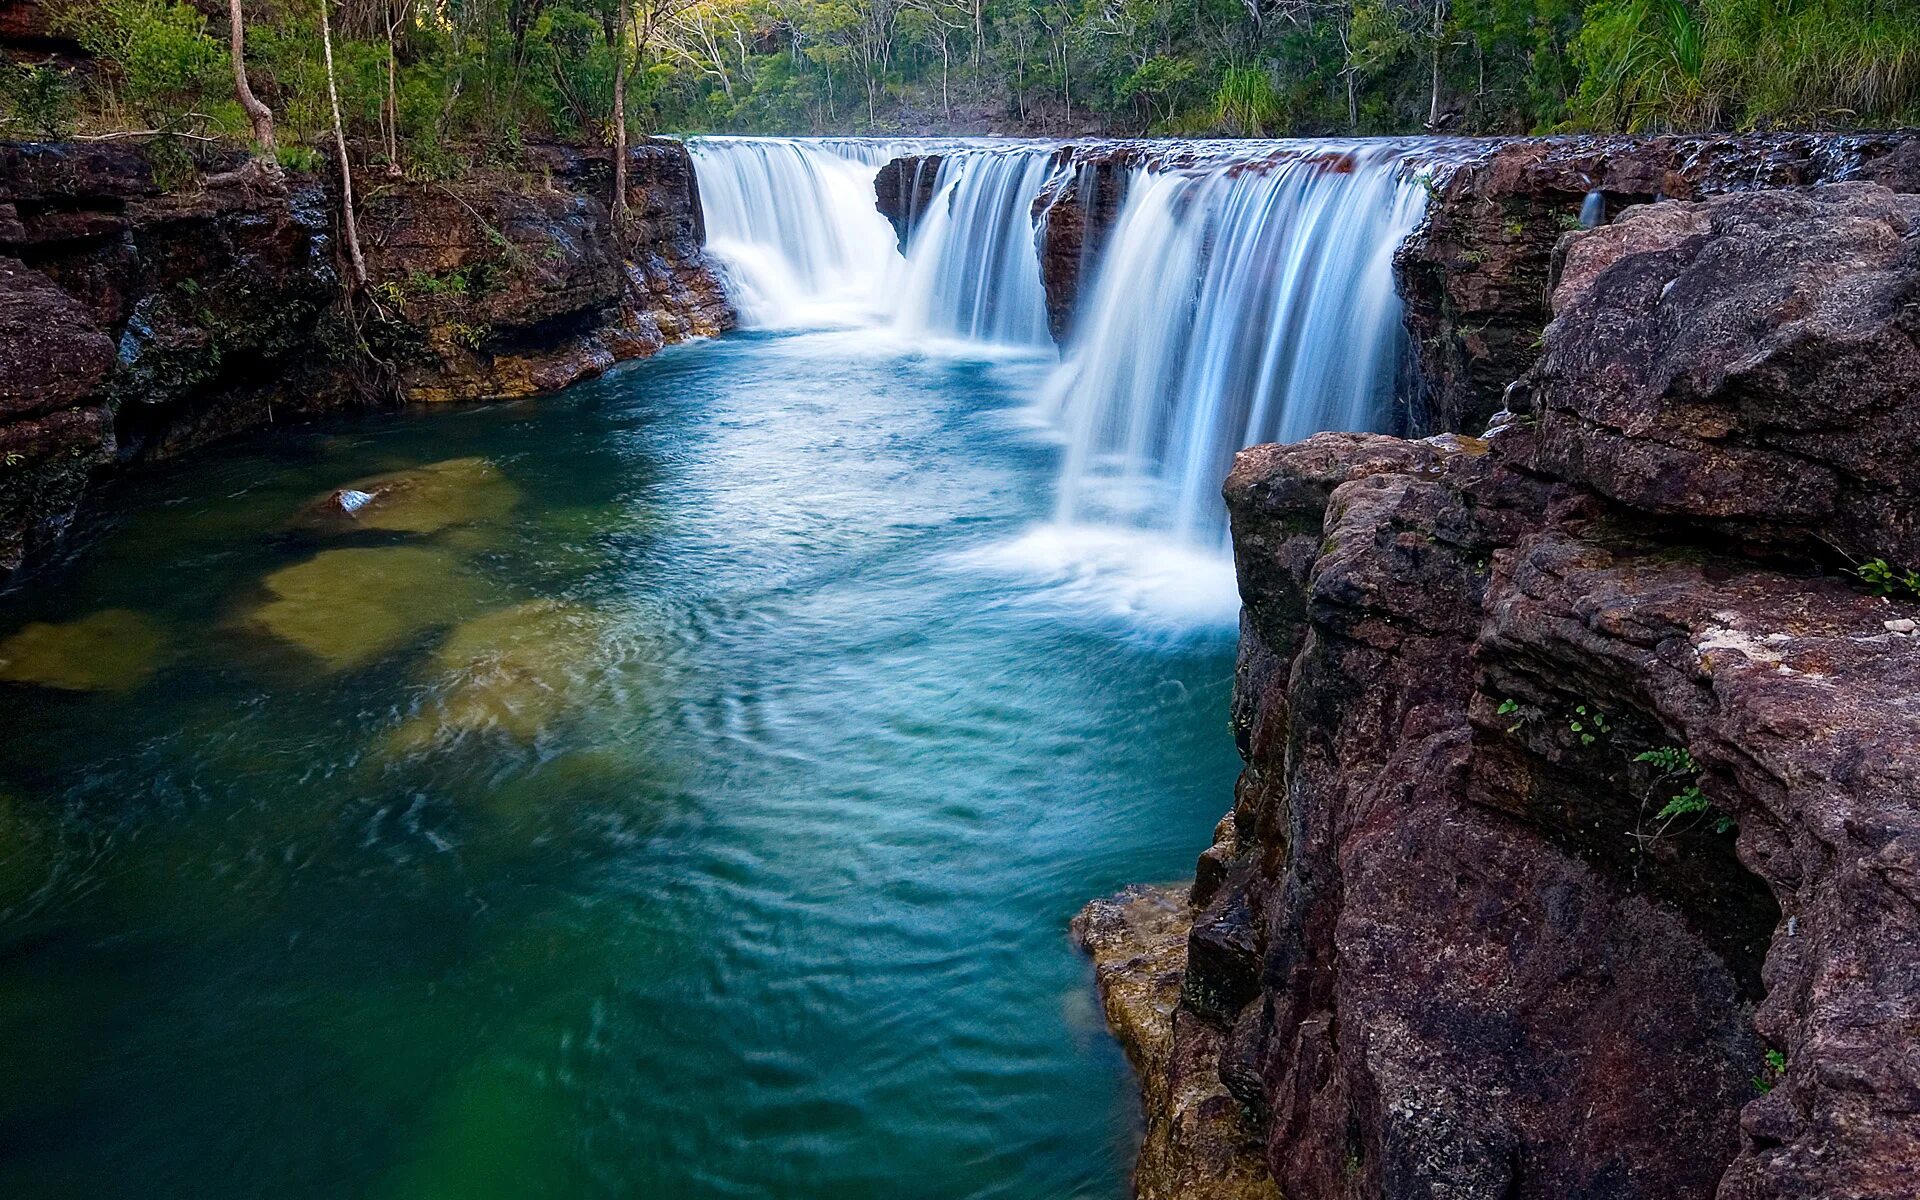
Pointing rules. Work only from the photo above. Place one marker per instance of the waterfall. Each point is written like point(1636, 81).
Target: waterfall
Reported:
point(1245, 293)
point(972, 270)
point(793, 223)
point(1239, 300)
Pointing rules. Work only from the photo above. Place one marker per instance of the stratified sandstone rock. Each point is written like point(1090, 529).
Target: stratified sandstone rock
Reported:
point(1475, 274)
point(1690, 339)
point(1492, 958)
point(496, 291)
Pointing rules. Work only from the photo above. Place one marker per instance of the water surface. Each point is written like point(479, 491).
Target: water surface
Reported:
point(686, 796)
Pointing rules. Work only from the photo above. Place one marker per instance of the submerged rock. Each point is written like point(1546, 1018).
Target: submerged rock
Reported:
point(513, 672)
point(112, 650)
point(348, 607)
point(460, 491)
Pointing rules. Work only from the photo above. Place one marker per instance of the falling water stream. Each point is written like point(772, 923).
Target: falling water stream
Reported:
point(683, 788)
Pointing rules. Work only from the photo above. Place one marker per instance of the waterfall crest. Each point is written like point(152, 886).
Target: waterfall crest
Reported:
point(1238, 301)
point(793, 225)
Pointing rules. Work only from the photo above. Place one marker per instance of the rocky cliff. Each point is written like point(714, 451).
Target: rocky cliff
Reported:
point(138, 319)
point(1576, 852)
point(1474, 275)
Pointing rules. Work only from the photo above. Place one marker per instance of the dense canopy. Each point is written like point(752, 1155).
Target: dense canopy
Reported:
point(416, 76)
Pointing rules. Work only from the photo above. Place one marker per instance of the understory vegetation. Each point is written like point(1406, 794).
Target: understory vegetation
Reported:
point(416, 78)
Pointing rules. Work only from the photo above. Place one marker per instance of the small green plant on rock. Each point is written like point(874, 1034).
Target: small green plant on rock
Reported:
point(1589, 723)
point(1675, 764)
point(1773, 1066)
point(1521, 713)
point(1884, 580)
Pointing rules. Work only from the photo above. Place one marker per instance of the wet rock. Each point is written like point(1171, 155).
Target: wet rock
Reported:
point(1073, 217)
point(112, 650)
point(512, 672)
point(349, 607)
point(1198, 1144)
point(903, 189)
point(426, 499)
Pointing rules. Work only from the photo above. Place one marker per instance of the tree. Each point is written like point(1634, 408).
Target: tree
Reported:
point(259, 116)
point(340, 148)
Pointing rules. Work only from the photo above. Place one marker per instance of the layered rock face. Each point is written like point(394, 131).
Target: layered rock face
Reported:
point(1474, 276)
point(501, 290)
point(1576, 852)
point(137, 320)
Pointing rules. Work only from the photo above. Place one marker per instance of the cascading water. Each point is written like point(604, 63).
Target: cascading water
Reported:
point(1244, 294)
point(1271, 315)
point(972, 270)
point(794, 224)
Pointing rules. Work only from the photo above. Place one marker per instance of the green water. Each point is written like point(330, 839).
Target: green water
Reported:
point(684, 794)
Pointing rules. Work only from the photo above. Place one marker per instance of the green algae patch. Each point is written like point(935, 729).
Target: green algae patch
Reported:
point(513, 671)
point(348, 607)
point(442, 495)
point(112, 650)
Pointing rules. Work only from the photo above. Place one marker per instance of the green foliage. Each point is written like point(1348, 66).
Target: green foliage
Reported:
point(36, 100)
point(294, 157)
point(1675, 763)
point(167, 68)
point(443, 83)
point(1773, 1067)
point(1589, 724)
point(1247, 104)
point(1883, 580)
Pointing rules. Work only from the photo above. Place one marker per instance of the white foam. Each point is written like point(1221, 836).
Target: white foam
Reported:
point(1142, 578)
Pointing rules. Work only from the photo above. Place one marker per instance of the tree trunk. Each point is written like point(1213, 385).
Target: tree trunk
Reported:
point(619, 204)
point(1439, 34)
point(393, 101)
point(340, 147)
point(258, 114)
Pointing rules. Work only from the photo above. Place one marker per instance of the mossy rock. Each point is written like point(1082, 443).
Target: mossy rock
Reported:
point(111, 650)
point(349, 607)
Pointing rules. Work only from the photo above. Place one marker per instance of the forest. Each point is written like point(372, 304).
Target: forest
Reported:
point(417, 79)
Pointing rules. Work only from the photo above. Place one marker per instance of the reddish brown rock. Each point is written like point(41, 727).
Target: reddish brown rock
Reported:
point(1475, 274)
point(1493, 957)
point(1690, 338)
point(1073, 217)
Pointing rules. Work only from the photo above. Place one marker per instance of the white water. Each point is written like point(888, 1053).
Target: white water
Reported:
point(1233, 305)
point(1245, 295)
point(794, 225)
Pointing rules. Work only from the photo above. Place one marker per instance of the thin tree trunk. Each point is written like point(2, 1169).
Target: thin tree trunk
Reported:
point(393, 101)
point(619, 204)
point(258, 115)
point(340, 148)
point(1439, 32)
